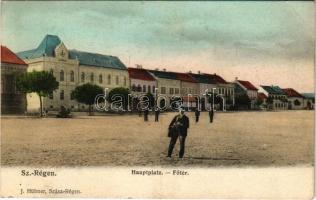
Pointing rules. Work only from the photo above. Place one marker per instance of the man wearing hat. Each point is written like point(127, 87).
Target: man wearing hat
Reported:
point(178, 128)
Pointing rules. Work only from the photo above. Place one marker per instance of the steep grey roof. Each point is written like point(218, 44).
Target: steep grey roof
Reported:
point(50, 42)
point(273, 90)
point(98, 60)
point(46, 48)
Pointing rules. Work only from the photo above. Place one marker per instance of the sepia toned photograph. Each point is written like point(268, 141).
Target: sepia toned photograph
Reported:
point(157, 89)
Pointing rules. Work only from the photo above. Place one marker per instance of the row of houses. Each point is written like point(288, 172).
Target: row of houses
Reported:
point(72, 68)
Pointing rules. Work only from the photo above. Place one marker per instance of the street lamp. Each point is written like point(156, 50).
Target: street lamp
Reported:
point(156, 97)
point(213, 92)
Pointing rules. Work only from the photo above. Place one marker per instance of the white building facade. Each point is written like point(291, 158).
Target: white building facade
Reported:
point(71, 68)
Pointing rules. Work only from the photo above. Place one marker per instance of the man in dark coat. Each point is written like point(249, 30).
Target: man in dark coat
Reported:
point(157, 112)
point(197, 115)
point(211, 114)
point(146, 112)
point(178, 128)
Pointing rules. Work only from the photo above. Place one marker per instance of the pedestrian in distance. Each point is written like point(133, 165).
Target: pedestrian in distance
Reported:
point(146, 112)
point(157, 112)
point(178, 128)
point(197, 115)
point(211, 114)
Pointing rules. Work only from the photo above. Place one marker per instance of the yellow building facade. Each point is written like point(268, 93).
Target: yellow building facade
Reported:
point(71, 68)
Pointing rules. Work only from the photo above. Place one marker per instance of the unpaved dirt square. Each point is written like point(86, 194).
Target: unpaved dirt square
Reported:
point(234, 139)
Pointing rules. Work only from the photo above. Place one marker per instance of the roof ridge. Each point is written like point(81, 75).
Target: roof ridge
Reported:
point(80, 51)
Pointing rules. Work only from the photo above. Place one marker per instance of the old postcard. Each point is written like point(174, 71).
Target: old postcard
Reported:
point(135, 99)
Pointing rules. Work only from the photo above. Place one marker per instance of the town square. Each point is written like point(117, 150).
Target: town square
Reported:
point(234, 139)
point(157, 88)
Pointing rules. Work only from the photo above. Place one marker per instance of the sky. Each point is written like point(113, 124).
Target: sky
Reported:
point(266, 43)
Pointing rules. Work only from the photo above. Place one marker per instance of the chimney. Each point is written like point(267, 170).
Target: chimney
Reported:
point(236, 78)
point(164, 69)
point(139, 66)
point(157, 69)
point(190, 72)
point(199, 72)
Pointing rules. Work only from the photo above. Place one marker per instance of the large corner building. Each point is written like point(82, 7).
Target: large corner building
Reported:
point(71, 68)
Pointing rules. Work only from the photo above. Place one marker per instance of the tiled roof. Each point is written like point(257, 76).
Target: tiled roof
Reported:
point(50, 42)
point(247, 85)
point(290, 92)
point(185, 77)
point(141, 74)
point(200, 78)
point(262, 96)
point(164, 74)
point(98, 60)
point(217, 78)
point(7, 56)
point(273, 90)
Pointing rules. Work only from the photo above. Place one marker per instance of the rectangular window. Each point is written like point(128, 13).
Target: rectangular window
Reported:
point(62, 95)
point(176, 90)
point(163, 90)
point(171, 91)
point(154, 89)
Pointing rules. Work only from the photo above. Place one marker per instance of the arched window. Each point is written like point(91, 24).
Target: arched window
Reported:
point(134, 88)
point(117, 80)
point(139, 88)
point(125, 82)
point(149, 89)
point(61, 75)
point(92, 77)
point(72, 76)
point(82, 77)
point(144, 88)
point(51, 71)
point(109, 79)
point(100, 78)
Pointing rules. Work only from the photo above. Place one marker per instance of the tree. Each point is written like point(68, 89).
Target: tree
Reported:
point(121, 92)
point(43, 83)
point(259, 102)
point(242, 100)
point(270, 102)
point(87, 93)
point(297, 102)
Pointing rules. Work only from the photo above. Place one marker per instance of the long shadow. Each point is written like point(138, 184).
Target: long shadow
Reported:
point(209, 158)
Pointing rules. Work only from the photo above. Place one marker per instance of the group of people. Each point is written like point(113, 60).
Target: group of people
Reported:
point(210, 114)
point(146, 113)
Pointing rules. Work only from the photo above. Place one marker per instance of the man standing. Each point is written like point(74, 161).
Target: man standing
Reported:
point(157, 112)
point(211, 114)
point(178, 128)
point(197, 115)
point(146, 112)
